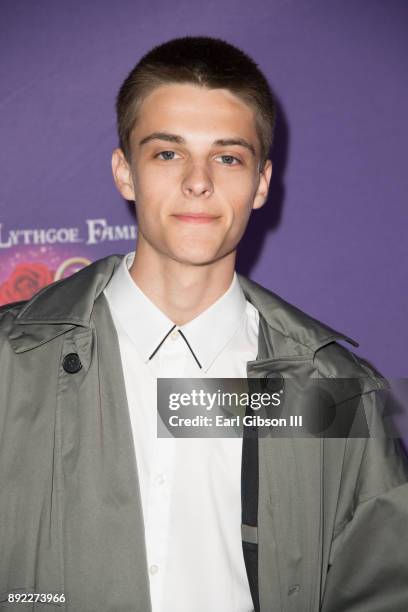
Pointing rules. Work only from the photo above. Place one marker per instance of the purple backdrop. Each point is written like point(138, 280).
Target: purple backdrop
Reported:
point(331, 239)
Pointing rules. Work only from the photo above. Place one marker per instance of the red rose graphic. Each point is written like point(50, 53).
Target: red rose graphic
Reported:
point(25, 280)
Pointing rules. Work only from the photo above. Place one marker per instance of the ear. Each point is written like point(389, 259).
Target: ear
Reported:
point(122, 175)
point(263, 186)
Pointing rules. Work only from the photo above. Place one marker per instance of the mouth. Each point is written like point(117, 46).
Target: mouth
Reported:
point(196, 217)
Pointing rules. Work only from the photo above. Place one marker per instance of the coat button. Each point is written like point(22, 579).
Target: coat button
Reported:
point(72, 363)
point(273, 382)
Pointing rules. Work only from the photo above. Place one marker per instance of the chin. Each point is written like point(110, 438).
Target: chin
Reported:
point(195, 258)
point(193, 251)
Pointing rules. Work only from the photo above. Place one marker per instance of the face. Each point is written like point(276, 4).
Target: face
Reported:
point(194, 172)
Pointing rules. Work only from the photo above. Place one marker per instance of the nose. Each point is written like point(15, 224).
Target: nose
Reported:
point(197, 182)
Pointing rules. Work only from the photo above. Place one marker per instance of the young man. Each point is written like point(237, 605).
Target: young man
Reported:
point(99, 511)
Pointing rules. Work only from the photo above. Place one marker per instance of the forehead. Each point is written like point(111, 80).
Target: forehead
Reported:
point(196, 110)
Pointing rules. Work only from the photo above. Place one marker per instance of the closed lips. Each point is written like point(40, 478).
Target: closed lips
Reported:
point(195, 218)
point(196, 215)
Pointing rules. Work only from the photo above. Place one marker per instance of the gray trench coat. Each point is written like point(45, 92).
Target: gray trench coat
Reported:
point(332, 514)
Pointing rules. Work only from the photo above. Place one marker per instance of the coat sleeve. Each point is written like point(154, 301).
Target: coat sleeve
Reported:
point(368, 564)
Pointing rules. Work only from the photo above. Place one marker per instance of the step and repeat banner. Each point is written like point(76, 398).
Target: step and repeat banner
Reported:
point(32, 258)
point(332, 237)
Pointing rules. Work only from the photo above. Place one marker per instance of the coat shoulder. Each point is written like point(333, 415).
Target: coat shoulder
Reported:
point(292, 331)
point(8, 315)
point(12, 307)
point(334, 360)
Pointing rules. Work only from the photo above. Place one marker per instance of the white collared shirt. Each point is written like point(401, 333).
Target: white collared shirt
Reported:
point(190, 487)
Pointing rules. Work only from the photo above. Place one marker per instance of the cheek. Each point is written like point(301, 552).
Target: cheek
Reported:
point(149, 199)
point(160, 175)
point(241, 204)
point(147, 180)
point(238, 187)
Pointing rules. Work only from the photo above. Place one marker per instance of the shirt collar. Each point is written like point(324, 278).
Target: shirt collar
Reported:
point(146, 325)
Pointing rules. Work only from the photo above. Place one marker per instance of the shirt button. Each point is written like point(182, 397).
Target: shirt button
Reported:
point(153, 569)
point(174, 335)
point(160, 478)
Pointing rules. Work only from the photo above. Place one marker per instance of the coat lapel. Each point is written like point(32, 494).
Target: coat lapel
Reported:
point(104, 543)
point(289, 512)
point(287, 527)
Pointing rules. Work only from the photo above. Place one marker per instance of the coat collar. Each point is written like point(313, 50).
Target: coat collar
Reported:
point(288, 321)
point(68, 303)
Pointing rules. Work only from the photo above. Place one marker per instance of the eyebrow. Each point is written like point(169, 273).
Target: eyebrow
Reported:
point(222, 142)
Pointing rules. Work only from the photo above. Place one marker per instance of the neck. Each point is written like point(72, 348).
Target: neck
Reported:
point(181, 290)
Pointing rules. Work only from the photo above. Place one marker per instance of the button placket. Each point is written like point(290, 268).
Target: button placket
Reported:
point(160, 479)
point(157, 516)
point(172, 358)
point(174, 335)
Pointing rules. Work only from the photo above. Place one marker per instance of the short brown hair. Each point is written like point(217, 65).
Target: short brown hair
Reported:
point(201, 60)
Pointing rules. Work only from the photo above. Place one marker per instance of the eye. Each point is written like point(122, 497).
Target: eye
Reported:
point(166, 155)
point(228, 159)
